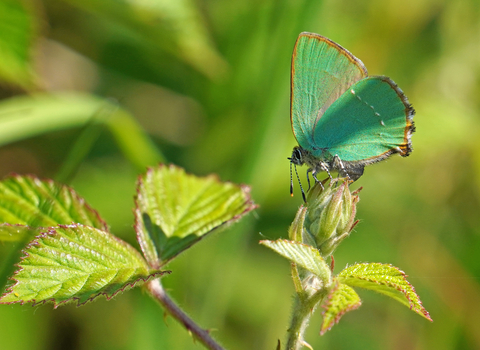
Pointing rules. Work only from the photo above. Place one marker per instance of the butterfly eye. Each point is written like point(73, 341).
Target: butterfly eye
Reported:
point(297, 158)
point(298, 154)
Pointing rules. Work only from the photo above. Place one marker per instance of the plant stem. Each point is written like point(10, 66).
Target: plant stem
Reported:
point(303, 308)
point(158, 293)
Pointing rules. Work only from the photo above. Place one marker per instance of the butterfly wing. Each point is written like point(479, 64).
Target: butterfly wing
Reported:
point(367, 123)
point(321, 72)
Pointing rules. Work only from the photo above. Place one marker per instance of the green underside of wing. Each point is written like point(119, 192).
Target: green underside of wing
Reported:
point(365, 122)
point(321, 72)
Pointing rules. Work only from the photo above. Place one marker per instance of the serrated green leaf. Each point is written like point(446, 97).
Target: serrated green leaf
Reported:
point(303, 255)
point(17, 31)
point(385, 279)
point(341, 299)
point(75, 262)
point(174, 210)
point(29, 201)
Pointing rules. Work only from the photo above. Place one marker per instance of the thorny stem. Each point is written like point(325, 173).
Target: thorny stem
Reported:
point(158, 293)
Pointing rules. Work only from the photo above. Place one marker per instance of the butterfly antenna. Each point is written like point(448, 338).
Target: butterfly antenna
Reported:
point(291, 180)
point(300, 183)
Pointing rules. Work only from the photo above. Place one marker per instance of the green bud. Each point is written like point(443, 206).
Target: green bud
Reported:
point(331, 214)
point(295, 232)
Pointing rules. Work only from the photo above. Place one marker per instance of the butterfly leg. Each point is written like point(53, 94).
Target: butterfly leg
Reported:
point(338, 164)
point(325, 168)
point(308, 178)
point(352, 172)
point(317, 180)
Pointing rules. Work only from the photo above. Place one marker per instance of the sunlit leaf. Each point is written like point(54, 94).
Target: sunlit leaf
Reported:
point(303, 255)
point(341, 299)
point(17, 31)
point(174, 210)
point(385, 279)
point(75, 262)
point(29, 201)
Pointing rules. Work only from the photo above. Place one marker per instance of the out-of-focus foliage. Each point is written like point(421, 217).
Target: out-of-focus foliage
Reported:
point(208, 81)
point(17, 32)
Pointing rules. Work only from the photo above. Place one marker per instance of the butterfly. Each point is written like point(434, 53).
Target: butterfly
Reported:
point(342, 118)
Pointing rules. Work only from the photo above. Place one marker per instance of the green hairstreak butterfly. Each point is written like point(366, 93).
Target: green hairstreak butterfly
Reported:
point(342, 118)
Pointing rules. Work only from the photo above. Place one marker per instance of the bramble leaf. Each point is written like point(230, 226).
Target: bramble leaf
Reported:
point(175, 210)
point(385, 279)
point(33, 203)
point(75, 262)
point(341, 299)
point(303, 255)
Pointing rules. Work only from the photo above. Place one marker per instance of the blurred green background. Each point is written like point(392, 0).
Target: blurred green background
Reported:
point(93, 91)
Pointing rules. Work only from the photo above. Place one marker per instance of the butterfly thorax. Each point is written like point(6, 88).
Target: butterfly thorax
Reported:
point(327, 162)
point(316, 164)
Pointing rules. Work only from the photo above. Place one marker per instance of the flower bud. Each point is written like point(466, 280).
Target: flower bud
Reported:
point(295, 231)
point(330, 215)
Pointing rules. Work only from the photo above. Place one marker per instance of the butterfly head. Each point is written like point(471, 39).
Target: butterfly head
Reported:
point(298, 156)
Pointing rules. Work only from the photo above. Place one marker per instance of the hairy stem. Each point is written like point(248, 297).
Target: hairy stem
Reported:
point(158, 293)
point(303, 308)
